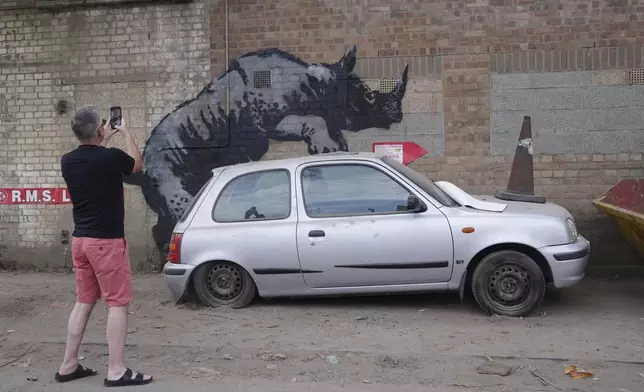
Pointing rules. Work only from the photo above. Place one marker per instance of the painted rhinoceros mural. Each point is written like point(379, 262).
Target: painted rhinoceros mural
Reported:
point(232, 119)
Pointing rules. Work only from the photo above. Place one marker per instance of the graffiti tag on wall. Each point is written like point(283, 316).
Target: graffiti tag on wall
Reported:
point(268, 94)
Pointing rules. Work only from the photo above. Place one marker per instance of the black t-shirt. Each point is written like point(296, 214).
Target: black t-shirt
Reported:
point(94, 177)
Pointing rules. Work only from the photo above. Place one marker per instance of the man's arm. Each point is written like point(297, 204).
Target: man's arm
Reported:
point(132, 149)
point(106, 139)
point(108, 132)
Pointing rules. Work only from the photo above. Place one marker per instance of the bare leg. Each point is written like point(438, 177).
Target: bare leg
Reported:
point(75, 331)
point(116, 333)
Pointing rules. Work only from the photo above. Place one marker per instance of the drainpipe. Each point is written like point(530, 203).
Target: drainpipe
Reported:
point(226, 65)
point(226, 10)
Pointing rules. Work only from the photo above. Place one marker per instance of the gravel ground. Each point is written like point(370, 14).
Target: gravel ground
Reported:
point(411, 343)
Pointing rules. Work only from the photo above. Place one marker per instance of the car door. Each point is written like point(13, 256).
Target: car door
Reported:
point(255, 224)
point(354, 228)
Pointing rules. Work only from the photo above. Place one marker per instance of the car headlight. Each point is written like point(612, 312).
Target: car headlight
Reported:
point(572, 230)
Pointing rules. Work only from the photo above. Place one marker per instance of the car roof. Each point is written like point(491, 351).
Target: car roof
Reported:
point(294, 162)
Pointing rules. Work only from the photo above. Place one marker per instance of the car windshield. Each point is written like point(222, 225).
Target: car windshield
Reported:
point(423, 182)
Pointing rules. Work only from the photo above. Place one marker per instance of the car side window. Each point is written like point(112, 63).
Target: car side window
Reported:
point(262, 195)
point(351, 189)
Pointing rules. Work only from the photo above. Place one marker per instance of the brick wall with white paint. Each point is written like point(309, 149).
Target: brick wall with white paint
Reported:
point(145, 57)
point(468, 61)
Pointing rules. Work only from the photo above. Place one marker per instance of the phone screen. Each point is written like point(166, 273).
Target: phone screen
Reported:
point(115, 116)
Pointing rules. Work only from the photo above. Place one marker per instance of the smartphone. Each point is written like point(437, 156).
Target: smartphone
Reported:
point(115, 116)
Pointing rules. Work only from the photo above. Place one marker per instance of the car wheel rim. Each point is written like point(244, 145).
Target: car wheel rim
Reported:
point(510, 287)
point(225, 282)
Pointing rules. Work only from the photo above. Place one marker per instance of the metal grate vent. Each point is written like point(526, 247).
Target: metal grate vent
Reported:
point(387, 85)
point(262, 79)
point(636, 76)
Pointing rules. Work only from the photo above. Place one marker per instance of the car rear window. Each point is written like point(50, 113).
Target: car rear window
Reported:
point(262, 195)
point(193, 202)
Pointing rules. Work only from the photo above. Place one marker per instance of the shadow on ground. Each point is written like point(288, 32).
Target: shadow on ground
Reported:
point(554, 300)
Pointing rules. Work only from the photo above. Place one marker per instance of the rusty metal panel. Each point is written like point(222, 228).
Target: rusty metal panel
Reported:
point(625, 203)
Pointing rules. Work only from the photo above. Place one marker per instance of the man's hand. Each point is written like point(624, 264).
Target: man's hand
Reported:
point(121, 127)
point(108, 132)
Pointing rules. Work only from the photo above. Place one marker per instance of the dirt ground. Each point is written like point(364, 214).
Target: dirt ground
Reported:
point(424, 343)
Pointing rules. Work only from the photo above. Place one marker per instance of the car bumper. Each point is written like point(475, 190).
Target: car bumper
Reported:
point(568, 262)
point(176, 278)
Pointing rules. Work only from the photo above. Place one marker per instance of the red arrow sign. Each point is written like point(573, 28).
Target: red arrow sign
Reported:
point(403, 152)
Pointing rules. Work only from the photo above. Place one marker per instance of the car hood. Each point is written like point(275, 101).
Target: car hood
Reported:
point(523, 208)
point(494, 204)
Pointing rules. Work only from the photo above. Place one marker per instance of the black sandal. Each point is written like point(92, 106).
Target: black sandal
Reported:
point(80, 372)
point(127, 381)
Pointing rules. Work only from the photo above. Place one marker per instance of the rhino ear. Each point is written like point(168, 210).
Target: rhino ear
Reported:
point(399, 91)
point(348, 61)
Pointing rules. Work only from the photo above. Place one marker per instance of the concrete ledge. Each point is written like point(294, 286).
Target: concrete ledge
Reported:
point(582, 59)
point(140, 77)
point(564, 79)
point(61, 4)
point(393, 67)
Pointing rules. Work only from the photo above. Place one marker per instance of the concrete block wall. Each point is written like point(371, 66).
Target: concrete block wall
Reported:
point(146, 58)
point(572, 112)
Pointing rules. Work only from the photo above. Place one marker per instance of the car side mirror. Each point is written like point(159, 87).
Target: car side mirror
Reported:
point(414, 204)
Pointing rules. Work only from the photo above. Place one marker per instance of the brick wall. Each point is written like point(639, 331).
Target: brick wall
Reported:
point(145, 57)
point(474, 44)
point(314, 28)
point(466, 59)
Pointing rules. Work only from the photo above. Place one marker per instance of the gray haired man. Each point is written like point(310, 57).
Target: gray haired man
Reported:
point(94, 177)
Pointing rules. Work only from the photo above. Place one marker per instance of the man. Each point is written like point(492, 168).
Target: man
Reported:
point(94, 177)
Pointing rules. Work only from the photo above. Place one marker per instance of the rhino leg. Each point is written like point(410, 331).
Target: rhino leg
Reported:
point(314, 132)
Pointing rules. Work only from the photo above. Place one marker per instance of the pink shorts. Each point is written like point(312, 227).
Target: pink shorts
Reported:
point(102, 267)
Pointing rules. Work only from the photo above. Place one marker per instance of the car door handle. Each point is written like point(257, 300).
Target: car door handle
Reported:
point(317, 233)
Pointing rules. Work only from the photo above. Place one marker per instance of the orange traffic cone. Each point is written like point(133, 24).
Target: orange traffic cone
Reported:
point(521, 182)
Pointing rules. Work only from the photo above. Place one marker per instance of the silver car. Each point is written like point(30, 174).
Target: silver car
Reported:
point(360, 223)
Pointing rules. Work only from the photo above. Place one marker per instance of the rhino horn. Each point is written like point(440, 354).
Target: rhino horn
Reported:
point(399, 91)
